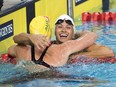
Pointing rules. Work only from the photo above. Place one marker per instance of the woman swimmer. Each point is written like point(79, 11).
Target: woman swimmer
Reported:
point(60, 50)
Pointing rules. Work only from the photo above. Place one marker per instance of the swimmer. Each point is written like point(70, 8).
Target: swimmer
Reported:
point(58, 52)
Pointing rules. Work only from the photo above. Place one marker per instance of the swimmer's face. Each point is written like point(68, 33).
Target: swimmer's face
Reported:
point(64, 32)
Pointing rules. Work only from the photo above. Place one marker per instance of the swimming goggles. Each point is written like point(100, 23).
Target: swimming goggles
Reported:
point(61, 21)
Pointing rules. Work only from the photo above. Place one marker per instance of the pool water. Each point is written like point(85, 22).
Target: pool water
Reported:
point(73, 75)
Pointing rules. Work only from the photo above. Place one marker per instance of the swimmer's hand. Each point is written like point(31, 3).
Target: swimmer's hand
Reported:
point(39, 40)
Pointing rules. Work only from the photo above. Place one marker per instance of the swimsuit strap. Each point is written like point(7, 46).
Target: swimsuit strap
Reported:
point(32, 53)
point(40, 60)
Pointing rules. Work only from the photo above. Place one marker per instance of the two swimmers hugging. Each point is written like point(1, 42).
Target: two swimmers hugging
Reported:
point(38, 48)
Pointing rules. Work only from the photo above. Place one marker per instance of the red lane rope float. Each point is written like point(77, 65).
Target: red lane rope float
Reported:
point(87, 60)
point(107, 18)
point(86, 17)
point(114, 18)
point(106, 60)
point(4, 57)
point(97, 18)
point(7, 58)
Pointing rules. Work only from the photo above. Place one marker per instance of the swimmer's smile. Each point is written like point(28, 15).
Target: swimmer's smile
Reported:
point(63, 36)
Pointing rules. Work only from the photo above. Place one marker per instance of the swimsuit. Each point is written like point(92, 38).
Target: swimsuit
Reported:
point(40, 60)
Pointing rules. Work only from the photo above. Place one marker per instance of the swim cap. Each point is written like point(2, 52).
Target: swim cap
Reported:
point(65, 17)
point(40, 25)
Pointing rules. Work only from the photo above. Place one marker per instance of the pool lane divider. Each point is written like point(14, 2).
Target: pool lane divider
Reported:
point(105, 18)
point(5, 58)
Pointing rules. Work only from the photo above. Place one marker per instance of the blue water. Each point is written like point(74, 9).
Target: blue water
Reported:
point(78, 75)
point(104, 76)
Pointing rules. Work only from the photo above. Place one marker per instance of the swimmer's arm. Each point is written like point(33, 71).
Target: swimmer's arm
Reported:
point(77, 35)
point(86, 40)
point(22, 38)
point(98, 51)
point(95, 51)
point(37, 40)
